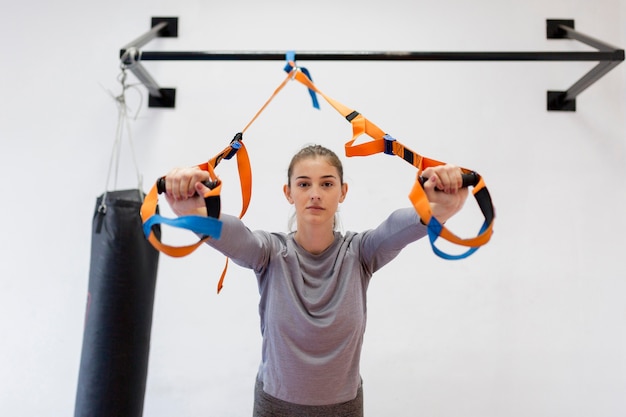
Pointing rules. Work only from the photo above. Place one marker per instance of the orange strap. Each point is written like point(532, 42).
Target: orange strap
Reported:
point(237, 148)
point(385, 144)
point(360, 126)
point(149, 209)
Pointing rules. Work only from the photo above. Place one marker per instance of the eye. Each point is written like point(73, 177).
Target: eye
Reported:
point(302, 184)
point(328, 184)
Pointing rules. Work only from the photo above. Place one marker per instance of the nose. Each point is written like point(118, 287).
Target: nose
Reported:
point(315, 193)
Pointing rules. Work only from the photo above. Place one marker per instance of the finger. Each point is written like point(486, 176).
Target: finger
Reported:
point(450, 179)
point(172, 184)
point(184, 182)
point(177, 183)
point(432, 182)
point(188, 185)
point(201, 188)
point(440, 177)
point(431, 187)
point(446, 181)
point(457, 178)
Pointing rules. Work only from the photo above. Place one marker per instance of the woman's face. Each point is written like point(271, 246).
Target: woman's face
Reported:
point(315, 189)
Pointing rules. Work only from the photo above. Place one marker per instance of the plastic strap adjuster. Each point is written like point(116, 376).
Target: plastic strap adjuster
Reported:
point(235, 145)
point(389, 144)
point(352, 115)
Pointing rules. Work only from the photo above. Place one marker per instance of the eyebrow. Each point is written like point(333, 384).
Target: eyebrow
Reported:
point(322, 177)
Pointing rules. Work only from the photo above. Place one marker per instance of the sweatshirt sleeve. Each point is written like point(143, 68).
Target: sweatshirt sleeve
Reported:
point(246, 248)
point(381, 245)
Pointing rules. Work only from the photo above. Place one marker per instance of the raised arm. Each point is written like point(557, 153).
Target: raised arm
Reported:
point(184, 191)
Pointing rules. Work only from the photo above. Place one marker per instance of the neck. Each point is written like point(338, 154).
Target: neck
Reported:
point(314, 240)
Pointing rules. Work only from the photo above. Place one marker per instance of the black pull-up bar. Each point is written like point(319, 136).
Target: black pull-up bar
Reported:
point(607, 56)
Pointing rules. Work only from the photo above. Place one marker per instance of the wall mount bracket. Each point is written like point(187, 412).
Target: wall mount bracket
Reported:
point(607, 56)
point(131, 56)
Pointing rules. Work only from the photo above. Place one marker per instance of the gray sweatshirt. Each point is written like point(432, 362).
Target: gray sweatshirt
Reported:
point(313, 307)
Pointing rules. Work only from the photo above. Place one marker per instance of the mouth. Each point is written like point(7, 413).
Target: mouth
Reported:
point(315, 208)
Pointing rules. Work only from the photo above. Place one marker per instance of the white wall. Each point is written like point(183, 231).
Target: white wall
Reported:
point(532, 324)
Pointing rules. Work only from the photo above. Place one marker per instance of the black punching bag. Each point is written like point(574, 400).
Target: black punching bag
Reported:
point(118, 320)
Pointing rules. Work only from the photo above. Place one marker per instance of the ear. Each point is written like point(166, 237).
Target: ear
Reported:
point(287, 192)
point(344, 191)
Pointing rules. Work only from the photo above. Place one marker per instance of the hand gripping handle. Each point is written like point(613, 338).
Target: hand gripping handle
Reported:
point(212, 202)
point(161, 184)
point(469, 180)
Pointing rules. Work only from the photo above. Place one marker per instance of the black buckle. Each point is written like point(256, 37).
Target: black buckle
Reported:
point(389, 144)
point(352, 115)
point(235, 145)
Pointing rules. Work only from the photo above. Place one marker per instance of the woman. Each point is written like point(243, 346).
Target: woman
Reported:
point(313, 281)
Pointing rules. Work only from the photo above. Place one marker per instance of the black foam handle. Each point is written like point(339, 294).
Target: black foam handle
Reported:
point(469, 180)
point(160, 184)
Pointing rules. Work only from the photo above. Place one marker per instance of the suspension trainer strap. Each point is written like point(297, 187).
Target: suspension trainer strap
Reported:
point(290, 57)
point(210, 226)
point(383, 143)
point(207, 227)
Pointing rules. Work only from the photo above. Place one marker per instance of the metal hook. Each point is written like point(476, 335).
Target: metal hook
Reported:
point(294, 70)
point(130, 58)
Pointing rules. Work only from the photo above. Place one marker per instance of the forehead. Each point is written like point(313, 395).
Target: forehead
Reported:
point(314, 167)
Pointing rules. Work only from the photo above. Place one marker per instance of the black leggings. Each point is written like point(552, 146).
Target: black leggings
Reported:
point(267, 406)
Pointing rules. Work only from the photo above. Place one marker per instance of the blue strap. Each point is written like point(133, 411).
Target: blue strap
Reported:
point(316, 103)
point(434, 230)
point(290, 56)
point(205, 226)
